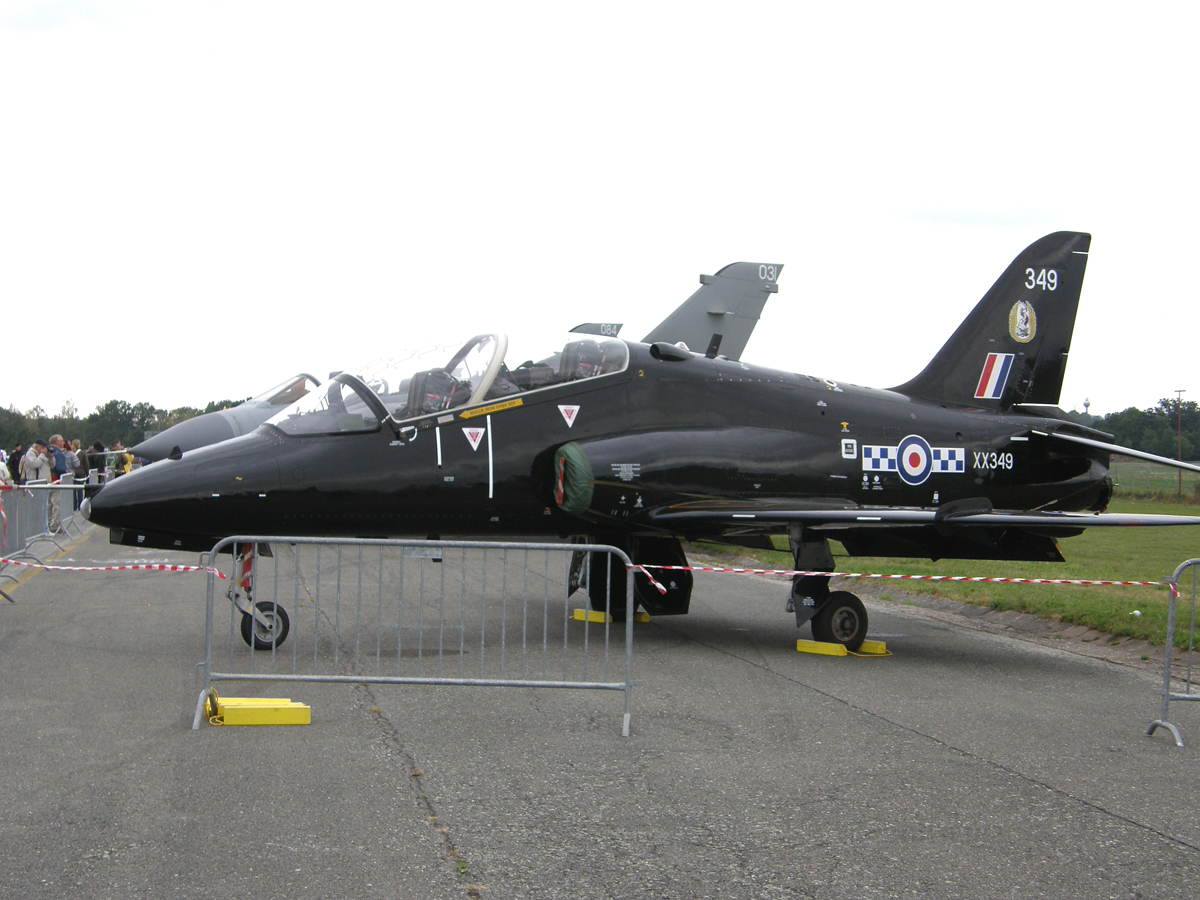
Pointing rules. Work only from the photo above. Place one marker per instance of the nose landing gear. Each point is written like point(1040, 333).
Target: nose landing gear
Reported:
point(266, 627)
point(265, 624)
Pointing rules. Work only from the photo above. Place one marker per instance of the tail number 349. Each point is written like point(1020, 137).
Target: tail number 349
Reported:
point(1046, 279)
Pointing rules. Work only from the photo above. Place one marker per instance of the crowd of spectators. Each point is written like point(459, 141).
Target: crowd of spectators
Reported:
point(48, 461)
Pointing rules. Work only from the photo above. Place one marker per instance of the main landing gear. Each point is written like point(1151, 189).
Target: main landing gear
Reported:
point(836, 617)
point(842, 619)
point(265, 624)
point(604, 577)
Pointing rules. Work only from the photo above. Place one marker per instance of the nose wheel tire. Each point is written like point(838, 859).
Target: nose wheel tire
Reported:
point(841, 620)
point(269, 633)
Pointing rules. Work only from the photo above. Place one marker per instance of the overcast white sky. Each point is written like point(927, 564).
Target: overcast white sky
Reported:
point(198, 200)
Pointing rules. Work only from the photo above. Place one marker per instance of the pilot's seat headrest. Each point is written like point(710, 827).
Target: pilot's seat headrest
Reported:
point(588, 358)
point(582, 359)
point(614, 356)
point(433, 391)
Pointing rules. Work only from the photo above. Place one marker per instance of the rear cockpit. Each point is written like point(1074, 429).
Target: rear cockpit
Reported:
point(445, 378)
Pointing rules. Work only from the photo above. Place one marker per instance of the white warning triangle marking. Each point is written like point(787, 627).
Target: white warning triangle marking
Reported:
point(569, 413)
point(474, 435)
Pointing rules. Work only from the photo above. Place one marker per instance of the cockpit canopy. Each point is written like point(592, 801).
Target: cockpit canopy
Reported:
point(444, 378)
point(287, 392)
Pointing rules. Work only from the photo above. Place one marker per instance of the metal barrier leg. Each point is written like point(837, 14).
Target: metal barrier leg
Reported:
point(67, 506)
point(1164, 714)
point(1158, 723)
point(207, 561)
point(1163, 721)
point(200, 704)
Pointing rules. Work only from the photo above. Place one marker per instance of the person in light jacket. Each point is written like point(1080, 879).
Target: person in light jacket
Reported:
point(37, 462)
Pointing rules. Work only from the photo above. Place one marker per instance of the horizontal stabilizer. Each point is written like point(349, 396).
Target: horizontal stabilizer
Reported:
point(1123, 451)
point(723, 311)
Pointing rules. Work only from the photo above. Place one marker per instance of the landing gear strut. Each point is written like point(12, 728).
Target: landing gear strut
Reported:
point(604, 576)
point(265, 625)
point(836, 617)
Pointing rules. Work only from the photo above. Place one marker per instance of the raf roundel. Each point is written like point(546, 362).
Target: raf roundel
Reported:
point(915, 459)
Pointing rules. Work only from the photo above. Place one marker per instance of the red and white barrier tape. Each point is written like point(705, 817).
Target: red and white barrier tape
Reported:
point(968, 578)
point(649, 577)
point(644, 569)
point(146, 567)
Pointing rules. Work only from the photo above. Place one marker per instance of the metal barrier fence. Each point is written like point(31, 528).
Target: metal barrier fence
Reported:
point(374, 611)
point(25, 511)
point(1163, 721)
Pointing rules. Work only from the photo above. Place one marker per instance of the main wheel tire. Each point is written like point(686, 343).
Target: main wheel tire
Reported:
point(265, 635)
point(841, 620)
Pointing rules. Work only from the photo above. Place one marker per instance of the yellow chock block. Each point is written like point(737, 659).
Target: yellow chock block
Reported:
point(262, 711)
point(593, 615)
point(821, 647)
point(873, 648)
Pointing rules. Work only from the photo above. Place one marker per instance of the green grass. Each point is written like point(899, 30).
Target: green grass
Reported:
point(1134, 478)
point(1099, 554)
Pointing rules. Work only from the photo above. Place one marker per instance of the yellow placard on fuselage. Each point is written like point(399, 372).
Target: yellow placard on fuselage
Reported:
point(490, 408)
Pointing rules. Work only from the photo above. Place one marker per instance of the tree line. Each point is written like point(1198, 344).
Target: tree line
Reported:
point(1167, 429)
point(116, 420)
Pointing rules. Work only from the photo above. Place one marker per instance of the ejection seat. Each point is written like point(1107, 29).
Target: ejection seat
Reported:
point(435, 390)
point(587, 359)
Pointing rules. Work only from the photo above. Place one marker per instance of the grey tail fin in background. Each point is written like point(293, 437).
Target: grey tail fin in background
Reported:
point(724, 310)
point(1013, 346)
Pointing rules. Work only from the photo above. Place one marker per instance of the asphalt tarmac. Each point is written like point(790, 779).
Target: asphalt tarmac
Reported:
point(967, 764)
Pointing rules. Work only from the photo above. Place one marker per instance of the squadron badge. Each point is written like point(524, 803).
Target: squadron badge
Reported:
point(1022, 322)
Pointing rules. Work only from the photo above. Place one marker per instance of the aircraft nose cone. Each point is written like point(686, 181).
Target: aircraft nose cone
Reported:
point(122, 500)
point(86, 508)
point(208, 491)
point(210, 428)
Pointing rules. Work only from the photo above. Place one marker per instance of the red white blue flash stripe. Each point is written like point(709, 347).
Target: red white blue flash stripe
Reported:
point(994, 376)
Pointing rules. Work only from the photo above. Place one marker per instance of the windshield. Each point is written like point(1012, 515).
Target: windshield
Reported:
point(288, 392)
point(337, 408)
point(446, 377)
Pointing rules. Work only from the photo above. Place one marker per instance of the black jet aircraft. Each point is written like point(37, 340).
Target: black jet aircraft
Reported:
point(641, 445)
point(223, 424)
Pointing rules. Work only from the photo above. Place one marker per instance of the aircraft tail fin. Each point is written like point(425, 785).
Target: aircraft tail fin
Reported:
point(723, 311)
point(1013, 346)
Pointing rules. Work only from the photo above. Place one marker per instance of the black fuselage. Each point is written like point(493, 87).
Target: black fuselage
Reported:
point(664, 433)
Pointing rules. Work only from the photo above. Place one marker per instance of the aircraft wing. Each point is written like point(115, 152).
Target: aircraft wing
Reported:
point(767, 515)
